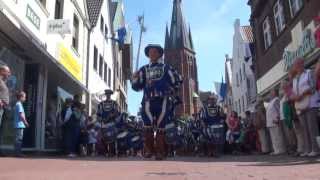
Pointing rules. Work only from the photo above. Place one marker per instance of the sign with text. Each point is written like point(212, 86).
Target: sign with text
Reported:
point(304, 49)
point(33, 17)
point(58, 26)
point(70, 63)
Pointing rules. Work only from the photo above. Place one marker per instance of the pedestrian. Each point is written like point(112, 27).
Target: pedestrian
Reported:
point(233, 133)
point(4, 95)
point(249, 144)
point(66, 109)
point(273, 123)
point(72, 120)
point(92, 139)
point(287, 116)
point(306, 100)
point(157, 80)
point(233, 124)
point(260, 124)
point(84, 133)
point(20, 122)
point(298, 130)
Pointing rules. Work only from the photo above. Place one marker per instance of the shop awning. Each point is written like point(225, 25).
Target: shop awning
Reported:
point(195, 95)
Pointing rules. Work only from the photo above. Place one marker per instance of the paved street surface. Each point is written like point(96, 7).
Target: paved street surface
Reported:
point(182, 168)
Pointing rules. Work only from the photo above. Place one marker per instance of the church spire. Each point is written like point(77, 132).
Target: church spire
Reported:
point(167, 39)
point(179, 36)
point(190, 39)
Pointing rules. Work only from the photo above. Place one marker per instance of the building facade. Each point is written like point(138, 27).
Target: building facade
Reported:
point(48, 63)
point(100, 58)
point(122, 52)
point(180, 54)
point(228, 101)
point(283, 30)
point(243, 80)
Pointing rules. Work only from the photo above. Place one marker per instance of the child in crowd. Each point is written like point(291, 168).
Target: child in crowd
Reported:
point(20, 122)
point(93, 133)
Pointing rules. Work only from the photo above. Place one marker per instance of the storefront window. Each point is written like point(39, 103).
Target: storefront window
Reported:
point(53, 131)
point(15, 82)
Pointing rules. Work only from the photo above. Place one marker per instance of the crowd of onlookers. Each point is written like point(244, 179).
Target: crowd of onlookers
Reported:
point(79, 131)
point(284, 122)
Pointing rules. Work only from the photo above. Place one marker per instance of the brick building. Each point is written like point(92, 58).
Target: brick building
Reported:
point(283, 30)
point(180, 53)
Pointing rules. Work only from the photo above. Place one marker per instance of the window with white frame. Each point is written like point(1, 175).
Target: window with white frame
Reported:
point(278, 13)
point(101, 62)
point(237, 77)
point(105, 73)
point(58, 11)
point(75, 34)
point(43, 2)
point(95, 58)
point(244, 71)
point(109, 77)
point(101, 24)
point(295, 6)
point(267, 33)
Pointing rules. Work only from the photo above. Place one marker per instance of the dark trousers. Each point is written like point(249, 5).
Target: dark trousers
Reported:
point(155, 112)
point(18, 140)
point(71, 139)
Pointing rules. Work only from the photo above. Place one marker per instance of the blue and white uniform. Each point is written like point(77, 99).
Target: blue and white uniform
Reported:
point(211, 114)
point(107, 111)
point(158, 81)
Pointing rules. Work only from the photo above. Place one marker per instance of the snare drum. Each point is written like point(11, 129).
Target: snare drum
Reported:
point(123, 140)
point(136, 142)
point(109, 132)
point(215, 134)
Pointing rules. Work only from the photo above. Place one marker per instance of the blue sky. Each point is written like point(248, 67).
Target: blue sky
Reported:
point(211, 23)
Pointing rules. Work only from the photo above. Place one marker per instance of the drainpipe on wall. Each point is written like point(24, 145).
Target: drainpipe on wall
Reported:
point(88, 99)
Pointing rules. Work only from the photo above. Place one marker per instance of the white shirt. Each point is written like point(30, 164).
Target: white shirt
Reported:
point(306, 81)
point(282, 101)
point(272, 112)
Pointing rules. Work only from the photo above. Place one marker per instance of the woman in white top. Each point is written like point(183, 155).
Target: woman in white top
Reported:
point(273, 124)
point(306, 104)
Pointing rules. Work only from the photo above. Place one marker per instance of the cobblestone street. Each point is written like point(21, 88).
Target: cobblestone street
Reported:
point(181, 168)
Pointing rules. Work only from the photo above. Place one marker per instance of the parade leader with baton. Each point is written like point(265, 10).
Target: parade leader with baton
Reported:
point(157, 80)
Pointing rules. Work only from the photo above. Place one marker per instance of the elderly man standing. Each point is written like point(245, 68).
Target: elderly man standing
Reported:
point(306, 103)
point(157, 80)
point(4, 93)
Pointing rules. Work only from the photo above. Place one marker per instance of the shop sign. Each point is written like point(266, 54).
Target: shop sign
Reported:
point(69, 62)
point(33, 17)
point(307, 46)
point(58, 26)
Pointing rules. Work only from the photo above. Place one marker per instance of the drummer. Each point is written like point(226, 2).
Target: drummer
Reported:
point(108, 112)
point(210, 114)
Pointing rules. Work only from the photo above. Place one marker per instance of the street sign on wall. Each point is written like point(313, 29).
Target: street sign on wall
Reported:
point(58, 26)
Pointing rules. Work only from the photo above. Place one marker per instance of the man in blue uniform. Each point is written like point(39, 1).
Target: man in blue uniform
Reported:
point(108, 112)
point(158, 82)
point(211, 114)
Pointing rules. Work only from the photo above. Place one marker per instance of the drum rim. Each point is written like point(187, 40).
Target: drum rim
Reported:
point(135, 138)
point(122, 135)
